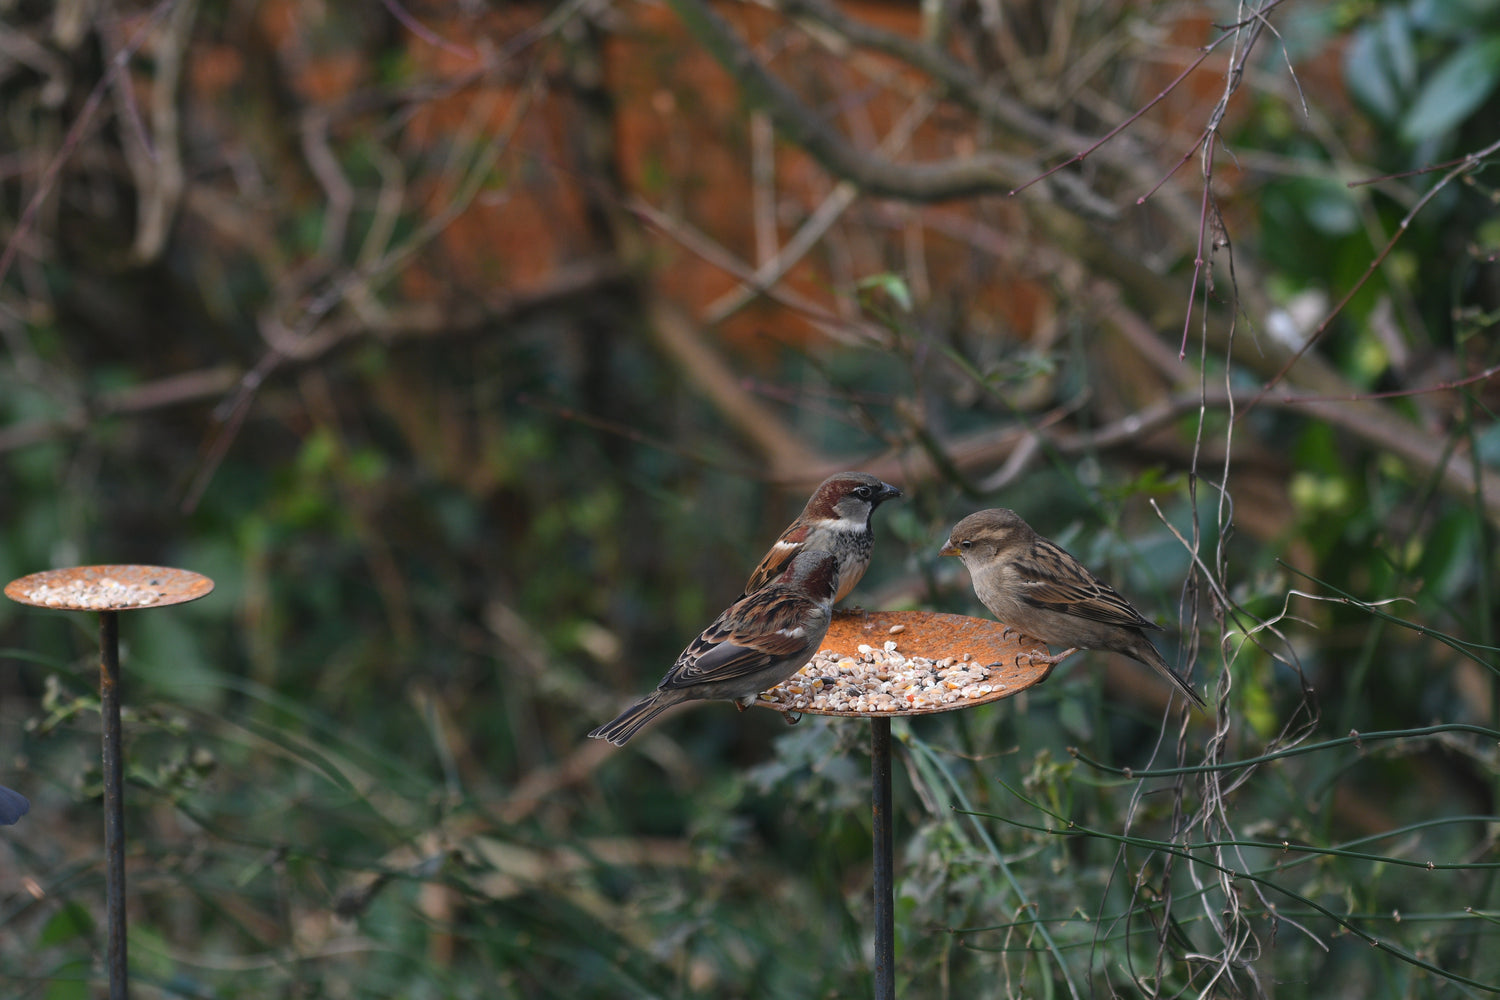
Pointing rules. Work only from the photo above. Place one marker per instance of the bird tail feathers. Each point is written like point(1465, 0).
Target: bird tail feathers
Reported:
point(629, 722)
point(1155, 659)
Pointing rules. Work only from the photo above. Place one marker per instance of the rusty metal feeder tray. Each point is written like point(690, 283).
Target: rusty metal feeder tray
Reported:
point(109, 590)
point(1013, 662)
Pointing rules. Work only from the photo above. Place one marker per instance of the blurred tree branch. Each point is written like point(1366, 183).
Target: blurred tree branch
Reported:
point(417, 321)
point(923, 182)
point(155, 161)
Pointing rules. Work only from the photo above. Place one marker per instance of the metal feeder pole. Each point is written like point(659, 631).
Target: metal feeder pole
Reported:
point(1011, 662)
point(110, 589)
point(885, 908)
point(114, 803)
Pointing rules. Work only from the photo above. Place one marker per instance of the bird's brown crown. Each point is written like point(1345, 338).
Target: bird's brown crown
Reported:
point(848, 496)
point(993, 530)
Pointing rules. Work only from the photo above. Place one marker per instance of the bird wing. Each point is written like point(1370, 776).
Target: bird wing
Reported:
point(775, 561)
point(731, 648)
point(1073, 590)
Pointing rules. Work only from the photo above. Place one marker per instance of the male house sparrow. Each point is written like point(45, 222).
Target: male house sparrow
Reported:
point(836, 519)
point(1031, 584)
point(759, 642)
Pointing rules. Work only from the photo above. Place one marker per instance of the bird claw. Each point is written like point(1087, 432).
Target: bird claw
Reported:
point(1050, 659)
point(791, 718)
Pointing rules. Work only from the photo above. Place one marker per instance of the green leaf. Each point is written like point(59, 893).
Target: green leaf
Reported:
point(1453, 18)
point(1329, 206)
point(1459, 86)
point(165, 652)
point(149, 956)
point(1400, 49)
point(69, 922)
point(1075, 720)
point(1380, 65)
point(1368, 77)
point(893, 285)
point(1488, 443)
point(67, 989)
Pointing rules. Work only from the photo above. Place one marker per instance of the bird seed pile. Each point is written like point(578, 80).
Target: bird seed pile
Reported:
point(99, 595)
point(882, 680)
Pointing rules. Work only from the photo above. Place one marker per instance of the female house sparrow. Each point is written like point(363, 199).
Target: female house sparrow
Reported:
point(1031, 584)
point(836, 519)
point(759, 642)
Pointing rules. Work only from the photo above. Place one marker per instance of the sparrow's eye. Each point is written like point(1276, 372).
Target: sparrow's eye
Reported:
point(967, 543)
point(863, 492)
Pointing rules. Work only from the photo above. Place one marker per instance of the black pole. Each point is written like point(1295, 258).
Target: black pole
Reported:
point(114, 803)
point(885, 907)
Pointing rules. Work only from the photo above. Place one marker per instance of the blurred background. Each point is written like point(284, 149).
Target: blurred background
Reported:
point(478, 351)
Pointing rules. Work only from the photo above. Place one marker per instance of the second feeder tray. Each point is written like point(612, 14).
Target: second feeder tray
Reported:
point(880, 664)
point(110, 590)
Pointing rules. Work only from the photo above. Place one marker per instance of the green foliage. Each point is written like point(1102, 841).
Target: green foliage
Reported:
point(1384, 67)
point(444, 552)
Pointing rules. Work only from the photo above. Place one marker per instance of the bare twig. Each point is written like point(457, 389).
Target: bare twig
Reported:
point(787, 458)
point(324, 164)
point(928, 182)
point(1209, 219)
point(82, 122)
point(1083, 154)
point(774, 267)
point(303, 337)
point(174, 390)
point(425, 33)
point(710, 251)
point(991, 102)
point(156, 161)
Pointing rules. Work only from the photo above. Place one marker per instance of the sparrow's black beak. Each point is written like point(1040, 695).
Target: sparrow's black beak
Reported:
point(887, 492)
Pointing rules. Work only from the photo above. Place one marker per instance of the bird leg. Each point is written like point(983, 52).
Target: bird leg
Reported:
point(1051, 659)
